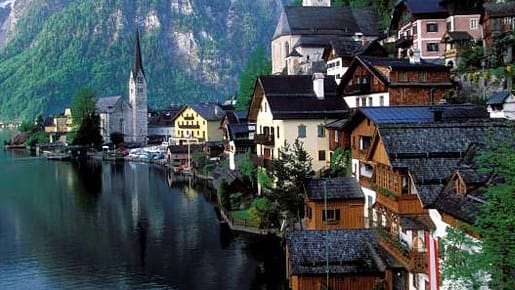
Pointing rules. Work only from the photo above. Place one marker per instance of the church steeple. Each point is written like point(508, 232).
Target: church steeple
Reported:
point(138, 64)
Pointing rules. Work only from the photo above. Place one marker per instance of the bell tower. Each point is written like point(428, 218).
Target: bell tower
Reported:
point(138, 97)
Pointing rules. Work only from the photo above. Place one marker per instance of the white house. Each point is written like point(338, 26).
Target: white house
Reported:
point(285, 108)
point(502, 105)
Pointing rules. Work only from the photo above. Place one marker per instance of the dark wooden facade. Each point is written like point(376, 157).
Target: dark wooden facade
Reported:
point(348, 214)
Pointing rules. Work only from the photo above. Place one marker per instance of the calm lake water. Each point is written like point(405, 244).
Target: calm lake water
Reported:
point(96, 225)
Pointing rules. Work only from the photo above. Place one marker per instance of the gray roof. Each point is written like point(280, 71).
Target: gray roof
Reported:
point(456, 36)
point(339, 188)
point(417, 222)
point(349, 251)
point(500, 9)
point(498, 98)
point(292, 97)
point(107, 104)
point(431, 151)
point(327, 21)
point(208, 111)
point(338, 124)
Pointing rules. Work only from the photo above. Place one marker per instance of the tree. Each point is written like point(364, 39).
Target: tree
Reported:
point(289, 171)
point(341, 162)
point(257, 64)
point(496, 223)
point(35, 131)
point(86, 121)
point(246, 166)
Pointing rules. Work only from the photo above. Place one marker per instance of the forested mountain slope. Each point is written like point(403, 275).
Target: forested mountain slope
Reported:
point(193, 50)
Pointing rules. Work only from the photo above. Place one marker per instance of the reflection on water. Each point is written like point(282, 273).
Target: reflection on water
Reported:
point(119, 225)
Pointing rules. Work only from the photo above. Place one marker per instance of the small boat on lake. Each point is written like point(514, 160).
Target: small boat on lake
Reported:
point(60, 156)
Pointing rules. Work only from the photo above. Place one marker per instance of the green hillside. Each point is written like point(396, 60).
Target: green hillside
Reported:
point(193, 50)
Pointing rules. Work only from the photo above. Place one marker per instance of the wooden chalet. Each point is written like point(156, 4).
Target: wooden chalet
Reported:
point(177, 155)
point(402, 157)
point(378, 81)
point(333, 204)
point(497, 20)
point(353, 259)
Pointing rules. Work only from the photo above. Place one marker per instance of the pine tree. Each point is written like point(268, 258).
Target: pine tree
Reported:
point(257, 64)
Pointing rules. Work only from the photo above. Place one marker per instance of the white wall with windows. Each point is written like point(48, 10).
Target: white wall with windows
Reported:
point(370, 100)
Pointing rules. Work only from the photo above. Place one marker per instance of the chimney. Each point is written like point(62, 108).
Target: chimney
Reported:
point(318, 85)
point(414, 56)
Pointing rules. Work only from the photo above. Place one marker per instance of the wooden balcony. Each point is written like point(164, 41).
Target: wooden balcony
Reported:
point(451, 53)
point(189, 126)
point(264, 139)
point(358, 89)
point(403, 204)
point(413, 260)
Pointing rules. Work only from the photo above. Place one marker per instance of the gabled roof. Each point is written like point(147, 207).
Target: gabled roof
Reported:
point(339, 188)
point(373, 65)
point(416, 222)
point(164, 118)
point(106, 104)
point(431, 151)
point(419, 9)
point(348, 251)
point(500, 9)
point(498, 98)
point(327, 21)
point(338, 124)
point(350, 47)
point(451, 36)
point(209, 111)
point(292, 97)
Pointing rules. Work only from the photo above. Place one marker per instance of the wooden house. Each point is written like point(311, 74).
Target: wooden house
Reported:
point(177, 155)
point(402, 157)
point(497, 20)
point(333, 204)
point(353, 260)
point(378, 81)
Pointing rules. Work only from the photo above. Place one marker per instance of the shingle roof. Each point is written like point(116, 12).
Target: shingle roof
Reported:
point(338, 124)
point(235, 129)
point(417, 222)
point(106, 104)
point(500, 9)
point(334, 188)
point(403, 64)
point(327, 21)
point(208, 111)
point(292, 97)
point(431, 151)
point(457, 36)
point(498, 98)
point(349, 251)
point(425, 6)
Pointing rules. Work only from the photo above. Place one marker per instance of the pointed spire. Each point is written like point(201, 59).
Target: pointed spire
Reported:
point(138, 64)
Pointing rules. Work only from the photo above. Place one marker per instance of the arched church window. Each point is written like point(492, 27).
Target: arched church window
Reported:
point(286, 49)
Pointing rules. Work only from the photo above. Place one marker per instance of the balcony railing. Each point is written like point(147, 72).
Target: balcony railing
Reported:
point(414, 260)
point(404, 204)
point(264, 139)
point(189, 126)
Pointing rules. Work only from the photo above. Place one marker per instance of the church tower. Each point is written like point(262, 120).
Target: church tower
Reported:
point(138, 98)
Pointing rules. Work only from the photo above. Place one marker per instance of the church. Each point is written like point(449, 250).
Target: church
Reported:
point(128, 118)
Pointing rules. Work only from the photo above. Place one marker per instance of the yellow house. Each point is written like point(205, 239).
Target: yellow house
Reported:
point(201, 121)
point(59, 126)
point(289, 107)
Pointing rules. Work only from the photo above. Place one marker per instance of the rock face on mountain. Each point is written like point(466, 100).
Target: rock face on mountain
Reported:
point(193, 50)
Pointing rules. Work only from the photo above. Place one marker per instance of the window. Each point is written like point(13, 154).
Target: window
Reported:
point(414, 29)
point(357, 102)
point(286, 49)
point(140, 90)
point(381, 101)
point(302, 131)
point(321, 155)
point(432, 46)
point(332, 215)
point(473, 23)
point(449, 26)
point(363, 102)
point(336, 136)
point(370, 101)
point(321, 131)
point(432, 27)
point(277, 132)
point(507, 20)
point(403, 76)
point(140, 80)
point(364, 142)
point(422, 76)
point(308, 212)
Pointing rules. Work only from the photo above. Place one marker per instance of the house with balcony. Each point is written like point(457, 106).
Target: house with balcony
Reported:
point(57, 127)
point(497, 20)
point(352, 258)
point(200, 122)
point(302, 33)
point(501, 105)
point(289, 107)
point(238, 135)
point(333, 204)
point(378, 81)
point(419, 25)
point(402, 157)
point(339, 54)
